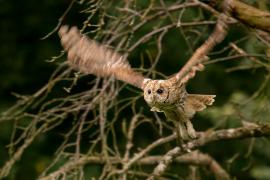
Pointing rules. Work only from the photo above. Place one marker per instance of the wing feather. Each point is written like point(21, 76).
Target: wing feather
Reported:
point(197, 102)
point(93, 58)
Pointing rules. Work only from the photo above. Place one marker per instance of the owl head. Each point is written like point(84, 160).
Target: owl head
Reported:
point(162, 94)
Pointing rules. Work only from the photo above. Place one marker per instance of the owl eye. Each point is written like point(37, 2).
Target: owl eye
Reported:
point(149, 91)
point(160, 91)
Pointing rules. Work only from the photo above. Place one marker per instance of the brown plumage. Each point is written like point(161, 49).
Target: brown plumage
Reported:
point(197, 102)
point(167, 96)
point(171, 98)
point(90, 57)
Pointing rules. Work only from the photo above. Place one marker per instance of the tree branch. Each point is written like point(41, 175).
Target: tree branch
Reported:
point(250, 15)
point(246, 131)
point(193, 158)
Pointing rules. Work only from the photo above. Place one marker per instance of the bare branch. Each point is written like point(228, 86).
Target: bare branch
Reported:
point(104, 123)
point(251, 16)
point(194, 158)
point(207, 137)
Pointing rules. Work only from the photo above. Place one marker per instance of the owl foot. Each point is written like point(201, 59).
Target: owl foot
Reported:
point(186, 131)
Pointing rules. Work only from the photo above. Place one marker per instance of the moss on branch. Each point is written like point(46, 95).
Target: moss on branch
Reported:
point(251, 16)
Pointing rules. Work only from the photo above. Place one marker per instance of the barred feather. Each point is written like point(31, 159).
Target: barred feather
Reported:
point(90, 57)
point(197, 102)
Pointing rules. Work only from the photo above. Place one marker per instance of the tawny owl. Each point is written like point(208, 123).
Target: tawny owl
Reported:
point(167, 96)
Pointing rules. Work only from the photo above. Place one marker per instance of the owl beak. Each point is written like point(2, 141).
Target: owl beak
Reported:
point(155, 109)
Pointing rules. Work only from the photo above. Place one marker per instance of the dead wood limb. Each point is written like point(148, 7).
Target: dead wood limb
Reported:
point(194, 158)
point(207, 137)
point(250, 15)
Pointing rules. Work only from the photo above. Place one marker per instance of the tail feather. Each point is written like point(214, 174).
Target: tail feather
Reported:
point(197, 102)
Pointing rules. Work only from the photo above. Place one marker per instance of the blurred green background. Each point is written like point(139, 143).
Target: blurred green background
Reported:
point(24, 70)
point(23, 53)
point(23, 65)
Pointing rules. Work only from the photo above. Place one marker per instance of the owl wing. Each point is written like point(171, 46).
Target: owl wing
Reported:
point(197, 102)
point(90, 57)
point(194, 64)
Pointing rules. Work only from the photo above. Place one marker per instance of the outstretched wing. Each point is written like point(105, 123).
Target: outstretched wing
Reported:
point(197, 102)
point(90, 57)
point(200, 55)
